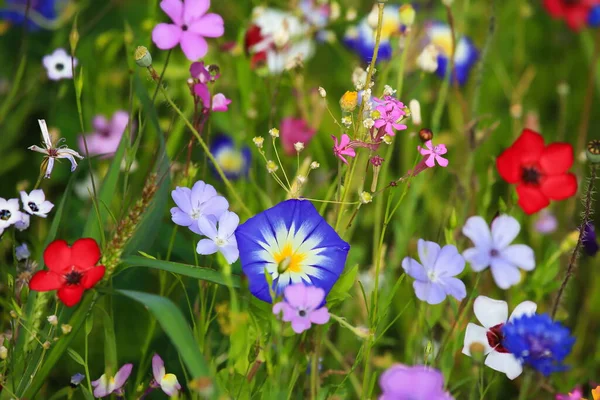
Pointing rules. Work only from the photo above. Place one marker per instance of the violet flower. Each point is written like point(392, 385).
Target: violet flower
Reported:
point(105, 386)
point(221, 239)
point(294, 130)
point(434, 154)
point(167, 382)
point(107, 136)
point(590, 242)
point(546, 222)
point(389, 115)
point(575, 394)
point(220, 102)
point(435, 275)
point(200, 200)
point(191, 24)
point(302, 307)
point(342, 148)
point(419, 382)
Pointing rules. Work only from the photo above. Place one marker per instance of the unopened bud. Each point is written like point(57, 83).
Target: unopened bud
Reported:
point(143, 58)
point(322, 92)
point(366, 197)
point(314, 165)
point(415, 111)
point(477, 351)
point(425, 134)
point(3, 353)
point(66, 329)
point(53, 320)
point(593, 151)
point(46, 345)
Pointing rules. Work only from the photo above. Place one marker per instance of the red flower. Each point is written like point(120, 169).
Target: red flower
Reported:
point(539, 171)
point(72, 270)
point(575, 12)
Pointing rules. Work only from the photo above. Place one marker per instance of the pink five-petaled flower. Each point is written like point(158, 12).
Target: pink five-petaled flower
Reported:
point(302, 307)
point(434, 153)
point(190, 26)
point(389, 115)
point(343, 148)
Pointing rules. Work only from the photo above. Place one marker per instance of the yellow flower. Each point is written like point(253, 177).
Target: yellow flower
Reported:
point(349, 101)
point(596, 393)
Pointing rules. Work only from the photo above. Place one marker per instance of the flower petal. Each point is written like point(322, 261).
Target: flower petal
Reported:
point(559, 187)
point(158, 368)
point(504, 230)
point(300, 324)
point(194, 9)
point(210, 25)
point(193, 46)
point(490, 312)
point(174, 9)
point(314, 297)
point(478, 258)
point(556, 159)
point(320, 316)
point(414, 269)
point(478, 231)
point(57, 256)
point(206, 247)
point(70, 295)
point(230, 252)
point(43, 281)
point(182, 198)
point(449, 261)
point(208, 227)
point(85, 253)
point(520, 255)
point(531, 199)
point(455, 288)
point(122, 375)
point(228, 223)
point(93, 276)
point(429, 292)
point(509, 165)
point(475, 334)
point(505, 274)
point(166, 36)
point(428, 253)
point(295, 295)
point(504, 362)
point(525, 308)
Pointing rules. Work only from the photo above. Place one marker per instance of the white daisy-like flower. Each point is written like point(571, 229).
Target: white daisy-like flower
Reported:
point(9, 212)
point(52, 151)
point(59, 65)
point(35, 203)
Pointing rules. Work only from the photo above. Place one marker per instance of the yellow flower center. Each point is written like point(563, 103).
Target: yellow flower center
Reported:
point(230, 161)
point(289, 260)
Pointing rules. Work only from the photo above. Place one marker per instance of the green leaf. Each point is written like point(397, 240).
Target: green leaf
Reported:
point(110, 342)
point(76, 357)
point(341, 289)
point(205, 274)
point(177, 328)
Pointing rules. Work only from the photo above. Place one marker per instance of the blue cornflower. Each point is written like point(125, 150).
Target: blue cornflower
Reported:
point(537, 340)
point(42, 13)
point(294, 244)
point(234, 162)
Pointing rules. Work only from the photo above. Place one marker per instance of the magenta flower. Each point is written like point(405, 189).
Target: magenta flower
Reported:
point(389, 115)
point(107, 136)
point(190, 26)
point(302, 307)
point(434, 153)
point(294, 130)
point(343, 148)
point(220, 102)
point(576, 394)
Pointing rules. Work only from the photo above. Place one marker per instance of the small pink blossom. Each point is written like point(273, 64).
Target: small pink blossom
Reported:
point(343, 148)
point(294, 130)
point(434, 153)
point(220, 102)
point(390, 113)
point(191, 24)
point(302, 307)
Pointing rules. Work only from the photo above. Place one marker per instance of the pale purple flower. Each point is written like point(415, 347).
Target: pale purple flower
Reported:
point(23, 222)
point(546, 222)
point(302, 306)
point(22, 252)
point(220, 102)
point(434, 153)
point(420, 382)
point(389, 115)
point(493, 249)
point(200, 200)
point(107, 136)
point(221, 238)
point(52, 151)
point(9, 212)
point(59, 65)
point(435, 275)
point(106, 385)
point(191, 24)
point(35, 203)
point(342, 148)
point(167, 382)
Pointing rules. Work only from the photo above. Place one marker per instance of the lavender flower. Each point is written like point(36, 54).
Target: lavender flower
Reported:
point(302, 307)
point(35, 203)
point(546, 222)
point(107, 136)
point(22, 252)
point(105, 386)
point(417, 383)
point(220, 239)
point(167, 382)
point(200, 200)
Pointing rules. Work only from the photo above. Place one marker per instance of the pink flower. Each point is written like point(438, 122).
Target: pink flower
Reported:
point(107, 136)
point(390, 113)
point(294, 130)
point(576, 394)
point(343, 148)
point(190, 26)
point(301, 307)
point(220, 102)
point(435, 154)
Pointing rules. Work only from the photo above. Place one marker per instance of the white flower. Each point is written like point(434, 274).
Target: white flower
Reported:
point(3, 353)
point(347, 121)
point(368, 123)
point(299, 146)
point(258, 141)
point(35, 203)
point(373, 17)
point(366, 197)
point(53, 152)
point(59, 65)
point(427, 60)
point(493, 249)
point(314, 165)
point(9, 212)
point(359, 77)
point(271, 166)
point(22, 252)
point(274, 132)
point(322, 92)
point(23, 222)
point(415, 111)
point(220, 239)
point(492, 314)
point(52, 320)
point(388, 91)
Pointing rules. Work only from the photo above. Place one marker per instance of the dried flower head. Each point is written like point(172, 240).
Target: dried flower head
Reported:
point(143, 58)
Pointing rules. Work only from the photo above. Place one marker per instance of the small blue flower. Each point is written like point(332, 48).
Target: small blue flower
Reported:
point(539, 341)
point(466, 55)
point(234, 162)
point(590, 242)
point(14, 11)
point(594, 17)
point(294, 244)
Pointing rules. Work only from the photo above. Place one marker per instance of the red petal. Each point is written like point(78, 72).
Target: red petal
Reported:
point(509, 166)
point(554, 7)
point(92, 276)
point(559, 187)
point(531, 199)
point(556, 159)
point(70, 295)
point(57, 256)
point(43, 281)
point(577, 17)
point(86, 253)
point(529, 146)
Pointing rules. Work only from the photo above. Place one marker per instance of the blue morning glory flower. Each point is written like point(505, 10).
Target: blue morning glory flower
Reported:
point(44, 10)
point(234, 162)
point(440, 35)
point(538, 341)
point(294, 244)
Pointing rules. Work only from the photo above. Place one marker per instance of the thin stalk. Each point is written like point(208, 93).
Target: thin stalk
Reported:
point(589, 97)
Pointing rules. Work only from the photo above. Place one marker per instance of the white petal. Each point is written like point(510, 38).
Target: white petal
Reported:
point(490, 312)
point(478, 231)
point(50, 167)
point(525, 308)
point(45, 133)
point(504, 362)
point(520, 255)
point(504, 230)
point(475, 334)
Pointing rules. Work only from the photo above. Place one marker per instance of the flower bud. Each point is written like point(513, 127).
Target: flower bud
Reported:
point(53, 320)
point(415, 111)
point(258, 141)
point(477, 351)
point(299, 146)
point(593, 151)
point(66, 329)
point(46, 345)
point(274, 132)
point(3, 353)
point(143, 58)
point(322, 92)
point(368, 123)
point(366, 197)
point(314, 165)
point(425, 134)
point(349, 101)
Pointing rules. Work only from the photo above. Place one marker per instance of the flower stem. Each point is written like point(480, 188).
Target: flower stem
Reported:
point(589, 96)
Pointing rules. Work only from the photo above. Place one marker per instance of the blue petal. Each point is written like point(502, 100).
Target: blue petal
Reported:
point(46, 8)
point(225, 143)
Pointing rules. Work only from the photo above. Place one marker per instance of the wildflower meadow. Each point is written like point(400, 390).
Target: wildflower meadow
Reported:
point(299, 199)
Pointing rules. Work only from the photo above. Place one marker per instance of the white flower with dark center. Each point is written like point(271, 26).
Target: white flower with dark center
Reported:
point(59, 65)
point(35, 203)
point(9, 212)
point(53, 151)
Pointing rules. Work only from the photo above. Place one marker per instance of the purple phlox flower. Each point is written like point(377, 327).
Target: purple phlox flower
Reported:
point(419, 382)
point(434, 154)
point(546, 222)
point(52, 152)
point(22, 252)
point(294, 130)
point(493, 249)
point(493, 314)
point(9, 212)
point(575, 394)
point(105, 385)
point(302, 306)
point(167, 382)
point(389, 116)
point(435, 276)
point(342, 148)
point(59, 65)
point(220, 239)
point(590, 242)
point(35, 203)
point(107, 136)
point(191, 24)
point(201, 200)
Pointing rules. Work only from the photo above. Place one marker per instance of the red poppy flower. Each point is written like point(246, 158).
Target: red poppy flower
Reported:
point(72, 270)
point(575, 12)
point(539, 171)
